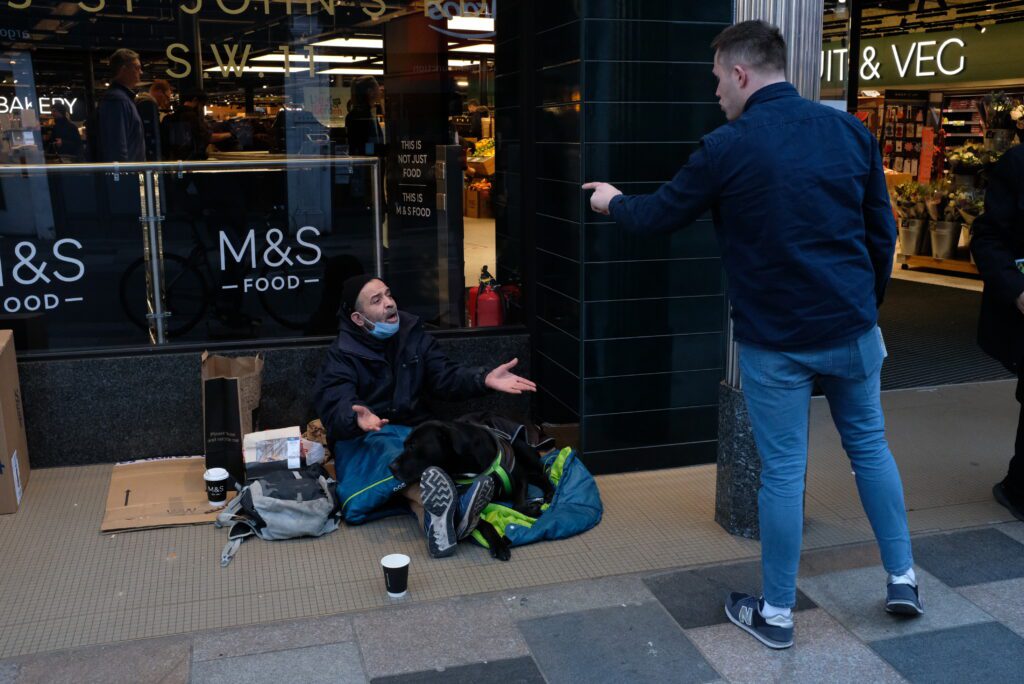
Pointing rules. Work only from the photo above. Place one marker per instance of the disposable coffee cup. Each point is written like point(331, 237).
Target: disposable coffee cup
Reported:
point(396, 574)
point(217, 486)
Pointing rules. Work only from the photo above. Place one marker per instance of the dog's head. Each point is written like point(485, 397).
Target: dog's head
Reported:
point(453, 447)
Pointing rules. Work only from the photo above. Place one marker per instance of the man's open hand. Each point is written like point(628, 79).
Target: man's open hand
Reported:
point(367, 419)
point(501, 379)
point(602, 197)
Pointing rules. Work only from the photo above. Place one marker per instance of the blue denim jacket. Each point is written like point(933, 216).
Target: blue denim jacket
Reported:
point(802, 214)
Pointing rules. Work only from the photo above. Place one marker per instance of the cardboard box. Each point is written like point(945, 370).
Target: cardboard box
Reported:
point(478, 204)
point(14, 467)
point(159, 492)
point(482, 166)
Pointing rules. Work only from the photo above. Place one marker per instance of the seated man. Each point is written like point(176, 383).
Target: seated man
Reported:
point(368, 395)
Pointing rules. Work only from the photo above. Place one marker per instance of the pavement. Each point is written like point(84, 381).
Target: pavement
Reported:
point(666, 626)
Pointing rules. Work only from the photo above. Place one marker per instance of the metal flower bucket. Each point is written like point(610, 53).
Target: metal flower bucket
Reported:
point(945, 235)
point(911, 236)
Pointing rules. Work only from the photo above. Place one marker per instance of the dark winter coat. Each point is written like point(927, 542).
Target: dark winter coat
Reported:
point(998, 241)
point(390, 378)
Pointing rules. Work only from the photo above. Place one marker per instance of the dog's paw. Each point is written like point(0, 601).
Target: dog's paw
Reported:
point(502, 552)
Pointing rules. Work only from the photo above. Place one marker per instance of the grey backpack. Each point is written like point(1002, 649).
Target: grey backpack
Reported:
point(283, 504)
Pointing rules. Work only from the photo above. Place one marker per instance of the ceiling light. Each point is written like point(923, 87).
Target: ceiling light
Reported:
point(479, 48)
point(981, 29)
point(462, 84)
point(353, 71)
point(248, 69)
point(319, 59)
point(471, 24)
point(462, 62)
point(370, 43)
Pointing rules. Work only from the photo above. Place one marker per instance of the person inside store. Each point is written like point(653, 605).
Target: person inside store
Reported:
point(369, 394)
point(65, 139)
point(153, 106)
point(118, 135)
point(185, 132)
point(477, 114)
point(807, 236)
point(362, 125)
point(998, 248)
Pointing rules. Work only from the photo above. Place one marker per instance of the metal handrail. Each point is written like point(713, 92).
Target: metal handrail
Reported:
point(176, 166)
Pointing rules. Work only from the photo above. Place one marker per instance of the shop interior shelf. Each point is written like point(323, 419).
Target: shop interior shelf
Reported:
point(953, 265)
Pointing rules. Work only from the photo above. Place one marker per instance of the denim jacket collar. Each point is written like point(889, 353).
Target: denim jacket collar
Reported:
point(771, 92)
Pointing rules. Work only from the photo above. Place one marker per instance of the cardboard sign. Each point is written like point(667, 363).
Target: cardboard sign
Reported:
point(14, 467)
point(162, 492)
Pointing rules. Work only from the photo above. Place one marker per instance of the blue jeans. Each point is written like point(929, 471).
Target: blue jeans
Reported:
point(777, 386)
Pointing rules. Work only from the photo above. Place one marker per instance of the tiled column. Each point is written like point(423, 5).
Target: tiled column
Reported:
point(629, 330)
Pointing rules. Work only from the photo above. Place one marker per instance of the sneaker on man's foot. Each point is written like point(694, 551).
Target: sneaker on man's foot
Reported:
point(439, 500)
point(1012, 504)
point(473, 501)
point(903, 599)
point(744, 611)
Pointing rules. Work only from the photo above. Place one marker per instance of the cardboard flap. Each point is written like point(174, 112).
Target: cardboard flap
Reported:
point(158, 493)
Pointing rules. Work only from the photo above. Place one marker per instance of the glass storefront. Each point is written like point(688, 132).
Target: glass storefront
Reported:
point(195, 172)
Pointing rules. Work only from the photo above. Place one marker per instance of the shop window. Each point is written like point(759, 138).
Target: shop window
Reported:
point(221, 166)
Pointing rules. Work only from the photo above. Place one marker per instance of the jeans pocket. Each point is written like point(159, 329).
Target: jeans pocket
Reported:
point(871, 352)
point(770, 368)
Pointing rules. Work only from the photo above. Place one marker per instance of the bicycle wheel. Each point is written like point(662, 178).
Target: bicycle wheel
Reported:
point(293, 306)
point(186, 294)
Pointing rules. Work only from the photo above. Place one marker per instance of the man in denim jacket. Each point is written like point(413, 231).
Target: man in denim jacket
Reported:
point(807, 236)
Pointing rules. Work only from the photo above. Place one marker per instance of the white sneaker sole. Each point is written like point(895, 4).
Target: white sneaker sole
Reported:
point(777, 645)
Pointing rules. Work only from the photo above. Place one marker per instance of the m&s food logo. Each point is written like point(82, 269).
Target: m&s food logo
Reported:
point(459, 17)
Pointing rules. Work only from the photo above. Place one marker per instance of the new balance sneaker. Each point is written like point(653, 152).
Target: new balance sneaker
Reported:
point(472, 503)
point(744, 611)
point(903, 599)
point(440, 501)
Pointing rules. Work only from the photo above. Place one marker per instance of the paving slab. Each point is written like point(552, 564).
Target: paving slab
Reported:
point(856, 598)
point(696, 598)
point(512, 671)
point(571, 598)
point(823, 561)
point(823, 652)
point(619, 644)
point(1002, 600)
point(430, 636)
point(164, 660)
point(972, 557)
point(276, 636)
point(1014, 530)
point(330, 664)
point(988, 653)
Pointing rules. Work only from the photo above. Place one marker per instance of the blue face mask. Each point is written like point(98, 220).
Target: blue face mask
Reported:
point(383, 331)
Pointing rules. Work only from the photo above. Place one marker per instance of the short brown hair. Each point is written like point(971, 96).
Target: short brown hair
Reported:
point(160, 85)
point(121, 58)
point(756, 44)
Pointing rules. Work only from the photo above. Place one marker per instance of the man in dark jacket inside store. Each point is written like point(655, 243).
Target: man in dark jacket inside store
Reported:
point(120, 136)
point(807, 237)
point(371, 391)
point(998, 249)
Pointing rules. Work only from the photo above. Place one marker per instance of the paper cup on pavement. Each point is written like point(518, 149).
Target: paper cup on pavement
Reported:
point(217, 486)
point(396, 574)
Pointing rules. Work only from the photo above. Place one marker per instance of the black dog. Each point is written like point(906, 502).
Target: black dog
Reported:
point(466, 448)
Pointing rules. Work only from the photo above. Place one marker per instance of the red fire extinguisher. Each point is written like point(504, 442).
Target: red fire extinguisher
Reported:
point(474, 293)
point(490, 308)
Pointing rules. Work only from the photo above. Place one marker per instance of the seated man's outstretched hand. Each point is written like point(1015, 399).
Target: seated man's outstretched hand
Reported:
point(501, 379)
point(367, 419)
